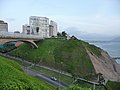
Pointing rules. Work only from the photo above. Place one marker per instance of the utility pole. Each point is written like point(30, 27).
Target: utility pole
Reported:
point(59, 81)
point(60, 72)
point(93, 86)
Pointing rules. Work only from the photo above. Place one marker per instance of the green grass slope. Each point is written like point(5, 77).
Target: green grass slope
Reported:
point(68, 55)
point(13, 78)
point(111, 85)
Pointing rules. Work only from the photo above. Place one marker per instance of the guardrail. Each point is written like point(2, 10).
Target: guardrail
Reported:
point(91, 82)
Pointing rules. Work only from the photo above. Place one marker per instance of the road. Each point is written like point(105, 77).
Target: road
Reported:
point(43, 77)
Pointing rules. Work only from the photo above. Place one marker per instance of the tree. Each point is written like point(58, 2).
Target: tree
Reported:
point(64, 34)
point(74, 38)
point(101, 79)
point(59, 34)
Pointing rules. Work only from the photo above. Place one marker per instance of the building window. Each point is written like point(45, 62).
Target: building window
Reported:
point(37, 29)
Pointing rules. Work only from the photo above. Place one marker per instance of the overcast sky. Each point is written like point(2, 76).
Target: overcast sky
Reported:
point(90, 16)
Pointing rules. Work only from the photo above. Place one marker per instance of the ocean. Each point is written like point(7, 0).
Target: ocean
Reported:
point(113, 48)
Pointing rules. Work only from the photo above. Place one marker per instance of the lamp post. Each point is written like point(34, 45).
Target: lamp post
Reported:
point(59, 81)
point(60, 72)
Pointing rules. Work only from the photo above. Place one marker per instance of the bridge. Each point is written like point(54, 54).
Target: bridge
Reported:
point(29, 39)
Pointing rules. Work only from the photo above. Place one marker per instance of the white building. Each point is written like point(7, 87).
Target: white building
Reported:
point(26, 29)
point(53, 28)
point(39, 26)
point(3, 26)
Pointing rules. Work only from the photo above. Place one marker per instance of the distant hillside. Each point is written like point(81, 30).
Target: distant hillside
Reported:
point(116, 39)
point(13, 78)
point(74, 56)
point(87, 36)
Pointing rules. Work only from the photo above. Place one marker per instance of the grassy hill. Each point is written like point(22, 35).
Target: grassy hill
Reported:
point(111, 85)
point(68, 55)
point(13, 78)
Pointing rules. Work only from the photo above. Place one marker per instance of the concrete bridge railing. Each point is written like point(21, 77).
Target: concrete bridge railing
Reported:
point(19, 35)
point(7, 37)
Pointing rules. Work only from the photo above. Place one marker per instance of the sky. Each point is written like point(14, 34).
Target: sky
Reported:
point(81, 16)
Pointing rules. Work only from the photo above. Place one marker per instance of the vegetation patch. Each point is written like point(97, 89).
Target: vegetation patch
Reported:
point(111, 85)
point(23, 63)
point(12, 77)
point(92, 48)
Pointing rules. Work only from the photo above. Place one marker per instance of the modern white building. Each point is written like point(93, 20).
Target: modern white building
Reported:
point(53, 28)
point(3, 26)
point(39, 26)
point(26, 29)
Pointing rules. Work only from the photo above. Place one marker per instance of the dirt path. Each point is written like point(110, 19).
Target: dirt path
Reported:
point(105, 65)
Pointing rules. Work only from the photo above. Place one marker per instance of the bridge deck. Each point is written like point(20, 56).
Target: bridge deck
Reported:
point(8, 35)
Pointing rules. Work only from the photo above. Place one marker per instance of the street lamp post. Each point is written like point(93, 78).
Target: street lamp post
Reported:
point(59, 81)
point(60, 72)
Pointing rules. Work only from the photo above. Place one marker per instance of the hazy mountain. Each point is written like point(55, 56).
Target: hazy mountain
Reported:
point(87, 36)
point(116, 39)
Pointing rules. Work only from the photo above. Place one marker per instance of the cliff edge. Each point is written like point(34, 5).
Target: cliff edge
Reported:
point(105, 65)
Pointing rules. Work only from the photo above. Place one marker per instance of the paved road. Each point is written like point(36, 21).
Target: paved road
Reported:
point(44, 77)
